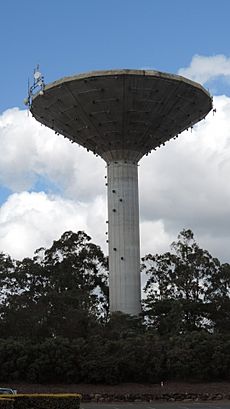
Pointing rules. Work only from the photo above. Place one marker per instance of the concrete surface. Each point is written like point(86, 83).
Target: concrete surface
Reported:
point(124, 245)
point(158, 405)
point(122, 115)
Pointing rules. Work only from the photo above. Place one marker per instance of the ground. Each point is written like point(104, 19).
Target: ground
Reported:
point(125, 388)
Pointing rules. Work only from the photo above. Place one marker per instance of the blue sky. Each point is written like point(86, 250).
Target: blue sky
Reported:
point(66, 37)
point(47, 185)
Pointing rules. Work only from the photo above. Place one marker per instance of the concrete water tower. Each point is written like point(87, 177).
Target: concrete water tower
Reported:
point(121, 115)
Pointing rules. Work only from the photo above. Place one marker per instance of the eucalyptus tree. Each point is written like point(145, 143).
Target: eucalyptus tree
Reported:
point(182, 286)
point(62, 290)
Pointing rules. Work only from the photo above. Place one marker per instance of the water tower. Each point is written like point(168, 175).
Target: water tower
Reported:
point(121, 115)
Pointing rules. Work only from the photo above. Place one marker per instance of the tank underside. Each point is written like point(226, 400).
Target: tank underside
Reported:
point(121, 114)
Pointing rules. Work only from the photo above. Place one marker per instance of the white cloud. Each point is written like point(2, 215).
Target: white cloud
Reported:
point(183, 185)
point(154, 236)
point(205, 68)
point(29, 149)
point(31, 220)
point(186, 185)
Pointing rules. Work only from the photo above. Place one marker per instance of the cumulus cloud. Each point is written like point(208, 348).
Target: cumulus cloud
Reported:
point(207, 68)
point(29, 150)
point(31, 220)
point(186, 184)
point(182, 185)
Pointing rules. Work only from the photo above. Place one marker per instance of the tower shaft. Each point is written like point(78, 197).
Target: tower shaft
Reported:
point(124, 242)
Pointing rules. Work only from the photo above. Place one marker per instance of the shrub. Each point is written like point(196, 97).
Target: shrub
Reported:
point(41, 401)
point(6, 403)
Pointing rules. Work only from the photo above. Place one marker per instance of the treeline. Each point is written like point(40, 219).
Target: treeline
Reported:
point(55, 324)
point(140, 358)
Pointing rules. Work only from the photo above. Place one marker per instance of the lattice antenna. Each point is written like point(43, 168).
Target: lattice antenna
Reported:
point(38, 86)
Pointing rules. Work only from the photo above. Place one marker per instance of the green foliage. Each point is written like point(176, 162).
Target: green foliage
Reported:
point(55, 326)
point(121, 326)
point(6, 403)
point(44, 401)
point(146, 357)
point(62, 291)
point(186, 290)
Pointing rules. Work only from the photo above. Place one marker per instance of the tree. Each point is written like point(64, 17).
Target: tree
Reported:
point(218, 296)
point(73, 263)
point(8, 284)
point(62, 291)
point(178, 290)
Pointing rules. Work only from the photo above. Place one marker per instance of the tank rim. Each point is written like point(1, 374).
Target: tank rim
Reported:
point(121, 72)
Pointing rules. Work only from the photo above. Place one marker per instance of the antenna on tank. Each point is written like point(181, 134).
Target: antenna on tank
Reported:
point(37, 87)
point(26, 99)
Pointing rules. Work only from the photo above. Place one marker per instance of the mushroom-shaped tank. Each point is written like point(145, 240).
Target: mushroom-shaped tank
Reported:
point(122, 115)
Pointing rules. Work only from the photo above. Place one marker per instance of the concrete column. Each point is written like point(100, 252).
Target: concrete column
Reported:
point(123, 235)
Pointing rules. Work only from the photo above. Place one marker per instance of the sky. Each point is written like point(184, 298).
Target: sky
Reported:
point(48, 186)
